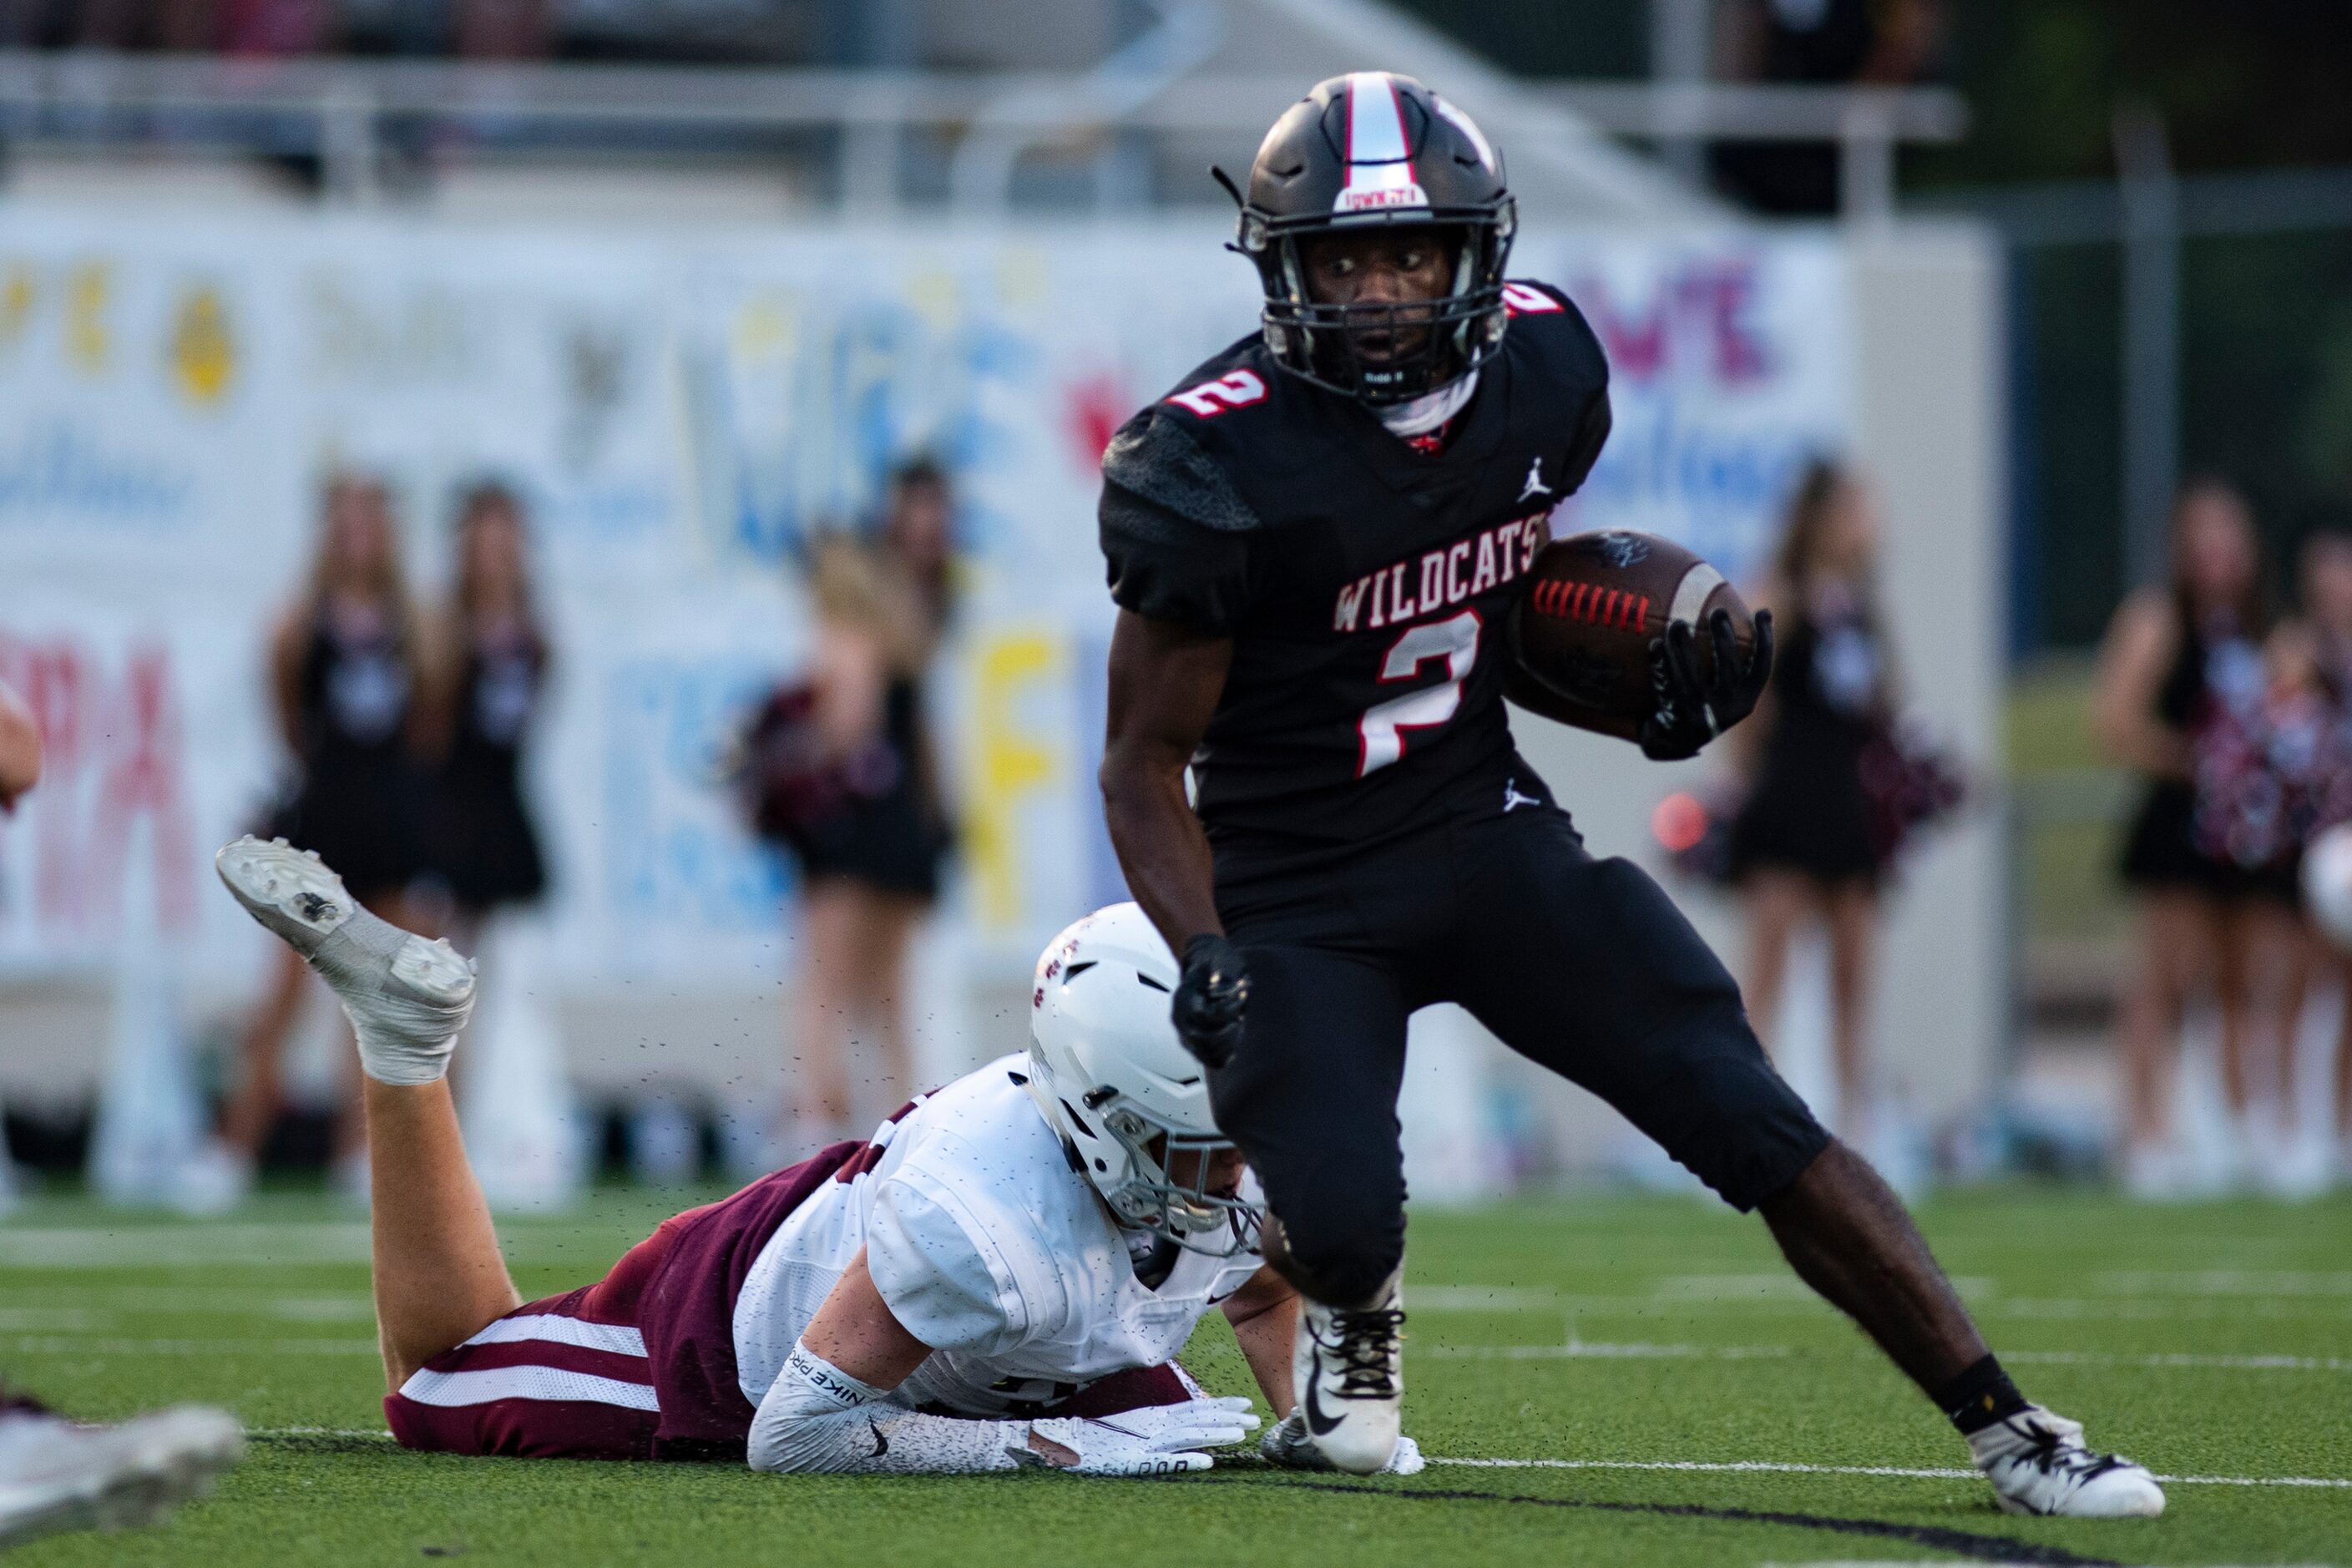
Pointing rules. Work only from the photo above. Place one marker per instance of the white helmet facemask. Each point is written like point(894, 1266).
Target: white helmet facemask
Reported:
point(1128, 1103)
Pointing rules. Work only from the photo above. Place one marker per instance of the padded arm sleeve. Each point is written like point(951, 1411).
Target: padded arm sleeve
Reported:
point(816, 1416)
point(1175, 534)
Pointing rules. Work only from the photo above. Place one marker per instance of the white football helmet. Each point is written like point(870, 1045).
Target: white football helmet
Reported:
point(2327, 883)
point(1130, 1103)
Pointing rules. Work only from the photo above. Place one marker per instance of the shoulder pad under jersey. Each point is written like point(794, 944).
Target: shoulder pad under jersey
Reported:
point(1155, 457)
point(1545, 319)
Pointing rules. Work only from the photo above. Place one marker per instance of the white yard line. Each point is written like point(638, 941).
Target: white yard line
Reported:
point(1580, 1350)
point(1505, 1299)
point(1750, 1290)
point(1769, 1466)
point(269, 1298)
point(2223, 1282)
point(2223, 1362)
point(56, 1320)
point(246, 1243)
point(1734, 1467)
point(2161, 1308)
point(257, 1244)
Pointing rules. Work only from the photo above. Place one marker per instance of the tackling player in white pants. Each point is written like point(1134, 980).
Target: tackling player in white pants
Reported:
point(1001, 1278)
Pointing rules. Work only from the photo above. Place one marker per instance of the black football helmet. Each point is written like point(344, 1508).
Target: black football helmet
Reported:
point(1366, 149)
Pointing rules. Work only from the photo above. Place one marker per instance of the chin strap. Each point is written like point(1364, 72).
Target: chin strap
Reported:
point(1432, 410)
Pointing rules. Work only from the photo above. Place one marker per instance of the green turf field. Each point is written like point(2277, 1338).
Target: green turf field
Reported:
point(1592, 1375)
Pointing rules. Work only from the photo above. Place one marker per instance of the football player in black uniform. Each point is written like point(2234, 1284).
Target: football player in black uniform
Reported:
point(1314, 543)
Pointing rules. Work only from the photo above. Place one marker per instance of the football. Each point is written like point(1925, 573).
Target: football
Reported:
point(1595, 601)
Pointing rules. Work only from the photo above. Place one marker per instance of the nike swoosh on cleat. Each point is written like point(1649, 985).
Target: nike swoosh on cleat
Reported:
point(881, 1443)
point(1316, 1422)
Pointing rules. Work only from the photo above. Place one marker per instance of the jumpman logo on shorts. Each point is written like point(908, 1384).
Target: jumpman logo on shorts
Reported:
point(1513, 799)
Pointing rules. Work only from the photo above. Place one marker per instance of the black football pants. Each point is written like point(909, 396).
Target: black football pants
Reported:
point(1583, 965)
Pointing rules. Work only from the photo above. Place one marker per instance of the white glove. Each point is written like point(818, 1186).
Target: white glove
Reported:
point(1230, 1416)
point(1155, 1440)
point(1288, 1446)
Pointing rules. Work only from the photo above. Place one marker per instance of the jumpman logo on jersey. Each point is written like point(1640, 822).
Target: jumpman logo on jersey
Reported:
point(1534, 485)
point(1513, 799)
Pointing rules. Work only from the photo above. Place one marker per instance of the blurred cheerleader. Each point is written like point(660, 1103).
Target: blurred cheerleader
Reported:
point(2183, 681)
point(488, 671)
point(841, 771)
point(343, 667)
point(2316, 649)
point(1808, 844)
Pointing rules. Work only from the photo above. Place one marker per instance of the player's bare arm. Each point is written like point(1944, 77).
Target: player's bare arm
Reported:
point(1165, 681)
point(854, 1331)
point(1264, 1318)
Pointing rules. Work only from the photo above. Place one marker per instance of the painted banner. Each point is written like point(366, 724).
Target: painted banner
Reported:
point(680, 413)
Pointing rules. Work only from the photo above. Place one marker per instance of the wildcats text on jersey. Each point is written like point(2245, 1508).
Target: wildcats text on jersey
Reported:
point(1464, 569)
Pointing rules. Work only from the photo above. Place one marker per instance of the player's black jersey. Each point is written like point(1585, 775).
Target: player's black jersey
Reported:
point(1364, 582)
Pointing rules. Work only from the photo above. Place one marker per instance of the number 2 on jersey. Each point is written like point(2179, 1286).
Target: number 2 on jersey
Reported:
point(1381, 729)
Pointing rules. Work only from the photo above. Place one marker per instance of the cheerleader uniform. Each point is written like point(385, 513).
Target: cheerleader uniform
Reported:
point(480, 836)
point(886, 829)
point(354, 801)
point(2212, 667)
point(1808, 811)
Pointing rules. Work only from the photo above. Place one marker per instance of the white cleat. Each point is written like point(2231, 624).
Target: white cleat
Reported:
point(1346, 1371)
point(54, 1475)
point(1286, 1445)
point(407, 998)
point(2037, 1463)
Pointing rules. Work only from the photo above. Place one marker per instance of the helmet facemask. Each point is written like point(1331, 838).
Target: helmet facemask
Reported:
point(1430, 344)
point(1166, 1188)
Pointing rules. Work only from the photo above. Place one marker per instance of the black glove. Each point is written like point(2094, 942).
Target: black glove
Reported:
point(1692, 711)
point(1210, 998)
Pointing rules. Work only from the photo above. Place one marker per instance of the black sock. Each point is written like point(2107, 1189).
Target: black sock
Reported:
point(1979, 1397)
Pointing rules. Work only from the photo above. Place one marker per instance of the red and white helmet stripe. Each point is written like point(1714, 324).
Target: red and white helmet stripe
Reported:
point(1380, 159)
